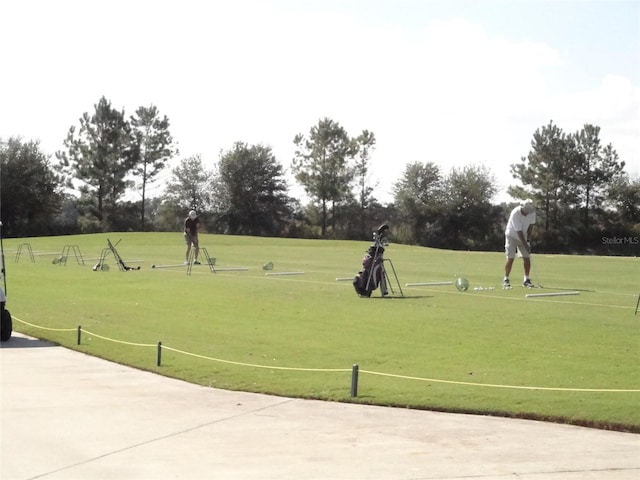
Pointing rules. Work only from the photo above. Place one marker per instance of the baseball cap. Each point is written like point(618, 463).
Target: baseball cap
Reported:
point(528, 206)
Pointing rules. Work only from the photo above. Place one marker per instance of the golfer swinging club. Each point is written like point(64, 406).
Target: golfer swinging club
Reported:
point(517, 235)
point(191, 224)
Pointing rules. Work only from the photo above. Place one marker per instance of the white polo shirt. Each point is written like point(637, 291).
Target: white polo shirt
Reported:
point(519, 223)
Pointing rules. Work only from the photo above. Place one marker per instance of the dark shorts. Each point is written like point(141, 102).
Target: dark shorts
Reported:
point(191, 240)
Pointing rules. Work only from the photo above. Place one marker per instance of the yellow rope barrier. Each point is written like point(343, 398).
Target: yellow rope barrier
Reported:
point(341, 370)
point(118, 341)
point(45, 328)
point(270, 367)
point(491, 385)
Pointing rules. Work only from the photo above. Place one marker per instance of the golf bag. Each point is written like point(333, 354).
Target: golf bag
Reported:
point(372, 274)
point(123, 266)
point(6, 324)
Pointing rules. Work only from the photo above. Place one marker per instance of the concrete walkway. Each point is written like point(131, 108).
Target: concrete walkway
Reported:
point(66, 415)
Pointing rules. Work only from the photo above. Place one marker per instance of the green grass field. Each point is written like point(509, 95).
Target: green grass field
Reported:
point(573, 359)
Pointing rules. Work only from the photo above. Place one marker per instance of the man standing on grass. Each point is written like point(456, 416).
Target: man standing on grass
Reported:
point(191, 224)
point(517, 235)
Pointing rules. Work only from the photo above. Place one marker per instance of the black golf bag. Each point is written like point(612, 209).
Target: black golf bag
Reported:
point(371, 275)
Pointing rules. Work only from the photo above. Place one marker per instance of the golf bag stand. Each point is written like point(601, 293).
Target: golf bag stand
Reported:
point(101, 265)
point(123, 266)
point(374, 273)
point(385, 275)
point(210, 261)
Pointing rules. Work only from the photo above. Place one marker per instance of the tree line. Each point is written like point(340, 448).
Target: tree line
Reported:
point(583, 194)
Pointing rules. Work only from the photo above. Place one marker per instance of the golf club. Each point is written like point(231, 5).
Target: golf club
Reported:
point(534, 273)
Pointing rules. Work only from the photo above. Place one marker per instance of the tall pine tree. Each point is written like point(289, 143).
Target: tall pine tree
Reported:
point(155, 146)
point(322, 166)
point(545, 175)
point(100, 155)
point(596, 166)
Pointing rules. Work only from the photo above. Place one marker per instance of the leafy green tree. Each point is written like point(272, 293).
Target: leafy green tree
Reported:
point(569, 176)
point(448, 211)
point(251, 192)
point(66, 219)
point(546, 176)
point(595, 167)
point(365, 142)
point(418, 195)
point(469, 218)
point(624, 199)
point(321, 165)
point(100, 155)
point(169, 215)
point(190, 187)
point(155, 146)
point(30, 190)
point(153, 214)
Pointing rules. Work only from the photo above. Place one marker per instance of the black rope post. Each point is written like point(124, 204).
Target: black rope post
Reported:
point(79, 334)
point(354, 380)
point(637, 304)
point(159, 362)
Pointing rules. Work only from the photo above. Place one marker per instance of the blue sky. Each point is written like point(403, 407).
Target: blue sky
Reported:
point(453, 82)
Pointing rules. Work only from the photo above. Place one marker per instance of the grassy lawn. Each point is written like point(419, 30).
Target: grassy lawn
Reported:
point(573, 359)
